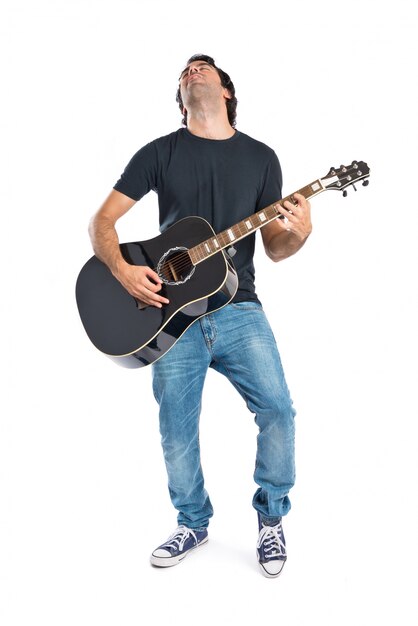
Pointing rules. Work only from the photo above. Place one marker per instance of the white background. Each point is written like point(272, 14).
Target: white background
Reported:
point(83, 487)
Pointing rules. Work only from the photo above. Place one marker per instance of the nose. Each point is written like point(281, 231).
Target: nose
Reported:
point(193, 69)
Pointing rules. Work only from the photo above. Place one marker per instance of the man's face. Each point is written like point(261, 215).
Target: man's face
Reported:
point(199, 79)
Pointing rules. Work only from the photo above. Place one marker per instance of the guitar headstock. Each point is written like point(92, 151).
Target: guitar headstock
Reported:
point(339, 178)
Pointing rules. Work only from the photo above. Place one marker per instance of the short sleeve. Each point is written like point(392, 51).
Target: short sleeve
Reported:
point(140, 175)
point(271, 189)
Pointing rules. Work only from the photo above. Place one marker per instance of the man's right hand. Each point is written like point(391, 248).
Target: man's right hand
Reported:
point(139, 280)
point(142, 283)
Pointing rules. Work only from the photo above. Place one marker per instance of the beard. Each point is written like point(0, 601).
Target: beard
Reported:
point(200, 93)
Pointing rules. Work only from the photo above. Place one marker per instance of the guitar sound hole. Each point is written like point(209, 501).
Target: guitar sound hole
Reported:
point(175, 266)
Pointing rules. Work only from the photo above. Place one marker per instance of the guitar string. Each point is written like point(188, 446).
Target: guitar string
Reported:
point(182, 261)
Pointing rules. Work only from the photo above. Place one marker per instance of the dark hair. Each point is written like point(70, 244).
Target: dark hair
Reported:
point(231, 103)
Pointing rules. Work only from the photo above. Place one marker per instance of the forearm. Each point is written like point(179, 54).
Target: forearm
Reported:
point(283, 245)
point(105, 242)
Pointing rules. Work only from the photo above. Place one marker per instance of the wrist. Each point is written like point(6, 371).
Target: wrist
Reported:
point(118, 267)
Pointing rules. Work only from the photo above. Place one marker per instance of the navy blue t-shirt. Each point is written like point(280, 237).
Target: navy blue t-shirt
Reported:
point(224, 181)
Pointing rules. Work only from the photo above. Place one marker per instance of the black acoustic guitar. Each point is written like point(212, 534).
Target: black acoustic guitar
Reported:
point(197, 273)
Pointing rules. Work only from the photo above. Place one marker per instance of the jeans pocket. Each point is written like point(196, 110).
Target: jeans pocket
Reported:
point(247, 305)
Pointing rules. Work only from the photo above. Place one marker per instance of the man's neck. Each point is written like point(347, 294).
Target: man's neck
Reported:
point(209, 127)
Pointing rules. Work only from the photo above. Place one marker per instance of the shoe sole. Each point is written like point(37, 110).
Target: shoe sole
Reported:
point(169, 561)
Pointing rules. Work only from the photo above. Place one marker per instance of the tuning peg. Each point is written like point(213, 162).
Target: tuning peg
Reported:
point(345, 193)
point(365, 183)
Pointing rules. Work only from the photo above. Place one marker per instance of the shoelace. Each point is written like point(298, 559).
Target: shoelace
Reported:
point(273, 544)
point(179, 537)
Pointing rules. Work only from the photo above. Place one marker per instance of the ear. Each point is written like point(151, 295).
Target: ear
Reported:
point(227, 94)
point(184, 111)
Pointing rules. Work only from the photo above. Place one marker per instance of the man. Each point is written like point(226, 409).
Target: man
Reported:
point(212, 170)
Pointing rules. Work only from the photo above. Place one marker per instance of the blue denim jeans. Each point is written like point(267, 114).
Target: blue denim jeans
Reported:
point(236, 341)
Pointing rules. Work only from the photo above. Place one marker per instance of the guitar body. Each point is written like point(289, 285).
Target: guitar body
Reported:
point(134, 336)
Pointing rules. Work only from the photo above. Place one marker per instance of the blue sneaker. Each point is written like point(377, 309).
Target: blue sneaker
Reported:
point(271, 548)
point(178, 546)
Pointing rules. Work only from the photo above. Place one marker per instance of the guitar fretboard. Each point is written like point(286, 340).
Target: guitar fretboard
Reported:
point(228, 237)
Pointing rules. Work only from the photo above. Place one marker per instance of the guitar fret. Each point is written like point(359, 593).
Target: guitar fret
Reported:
point(222, 240)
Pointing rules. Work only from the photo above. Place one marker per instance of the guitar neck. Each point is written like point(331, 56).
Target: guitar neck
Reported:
point(228, 237)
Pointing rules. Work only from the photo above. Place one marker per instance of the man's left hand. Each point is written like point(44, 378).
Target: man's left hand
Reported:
point(297, 217)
